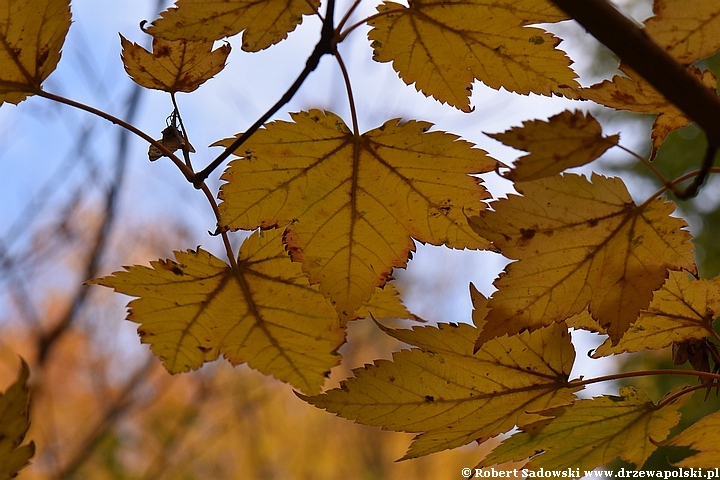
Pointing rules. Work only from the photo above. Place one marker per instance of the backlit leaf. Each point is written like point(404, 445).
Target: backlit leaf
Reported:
point(566, 140)
point(264, 313)
point(386, 303)
point(264, 23)
point(634, 94)
point(592, 432)
point(451, 397)
point(683, 309)
point(173, 66)
point(32, 33)
point(689, 31)
point(442, 47)
point(702, 437)
point(578, 244)
point(353, 204)
point(14, 424)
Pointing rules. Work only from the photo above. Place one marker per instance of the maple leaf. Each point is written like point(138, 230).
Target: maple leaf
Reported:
point(385, 303)
point(565, 141)
point(683, 309)
point(32, 32)
point(450, 396)
point(579, 243)
point(703, 438)
point(173, 66)
point(689, 31)
point(263, 312)
point(634, 94)
point(14, 424)
point(264, 23)
point(603, 428)
point(442, 47)
point(352, 203)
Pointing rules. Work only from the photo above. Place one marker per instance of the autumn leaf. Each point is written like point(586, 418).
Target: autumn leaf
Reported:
point(385, 303)
point(442, 47)
point(688, 31)
point(263, 312)
point(32, 32)
point(579, 243)
point(565, 141)
point(173, 66)
point(634, 94)
point(352, 203)
point(592, 432)
point(702, 437)
point(14, 424)
point(683, 309)
point(264, 23)
point(451, 397)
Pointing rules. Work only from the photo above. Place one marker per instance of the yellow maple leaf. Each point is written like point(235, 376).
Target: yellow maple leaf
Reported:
point(353, 204)
point(264, 313)
point(173, 66)
point(566, 140)
point(688, 31)
point(600, 429)
point(14, 424)
point(452, 397)
point(443, 47)
point(702, 436)
point(32, 32)
point(264, 23)
point(580, 243)
point(634, 94)
point(683, 309)
point(385, 303)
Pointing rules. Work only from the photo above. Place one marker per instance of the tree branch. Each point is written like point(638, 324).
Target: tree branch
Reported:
point(648, 59)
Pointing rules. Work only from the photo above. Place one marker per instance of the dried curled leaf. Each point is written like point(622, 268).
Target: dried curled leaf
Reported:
point(580, 244)
point(443, 47)
point(353, 204)
point(683, 309)
point(702, 437)
point(263, 312)
point(14, 424)
point(592, 432)
point(264, 23)
point(173, 66)
point(688, 31)
point(566, 140)
point(634, 94)
point(32, 32)
point(451, 397)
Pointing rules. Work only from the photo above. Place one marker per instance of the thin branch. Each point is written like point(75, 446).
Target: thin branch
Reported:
point(352, 27)
point(127, 126)
point(653, 169)
point(672, 397)
point(325, 45)
point(680, 179)
point(186, 140)
point(708, 161)
point(346, 17)
point(643, 373)
point(652, 62)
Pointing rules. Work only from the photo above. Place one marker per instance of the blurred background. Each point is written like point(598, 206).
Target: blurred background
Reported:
point(80, 199)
